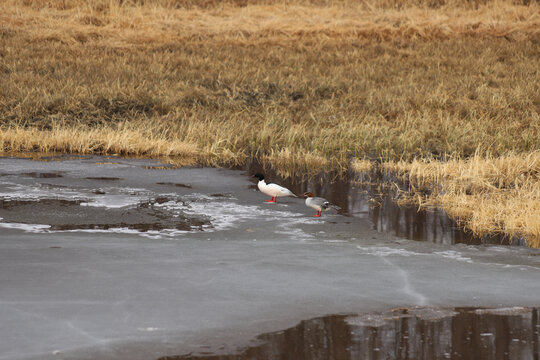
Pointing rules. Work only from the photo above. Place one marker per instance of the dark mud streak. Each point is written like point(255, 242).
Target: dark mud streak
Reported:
point(405, 334)
point(160, 167)
point(219, 195)
point(175, 184)
point(9, 204)
point(43, 175)
point(54, 186)
point(103, 178)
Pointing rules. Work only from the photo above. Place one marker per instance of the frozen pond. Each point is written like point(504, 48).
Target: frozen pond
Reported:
point(112, 258)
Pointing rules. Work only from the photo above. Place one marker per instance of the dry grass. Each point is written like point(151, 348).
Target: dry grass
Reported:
point(484, 194)
point(259, 78)
point(147, 23)
point(123, 140)
point(289, 164)
point(362, 165)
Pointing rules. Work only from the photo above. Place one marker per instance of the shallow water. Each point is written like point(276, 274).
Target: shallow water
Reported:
point(369, 196)
point(401, 334)
point(165, 262)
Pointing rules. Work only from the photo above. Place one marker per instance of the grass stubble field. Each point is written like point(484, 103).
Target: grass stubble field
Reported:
point(444, 92)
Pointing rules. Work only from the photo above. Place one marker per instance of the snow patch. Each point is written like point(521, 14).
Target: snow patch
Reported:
point(30, 228)
point(454, 255)
point(385, 251)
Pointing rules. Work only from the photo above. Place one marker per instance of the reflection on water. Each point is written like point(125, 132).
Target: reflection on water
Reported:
point(417, 333)
point(372, 197)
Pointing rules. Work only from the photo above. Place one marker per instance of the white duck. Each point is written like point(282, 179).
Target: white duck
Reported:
point(318, 203)
point(271, 189)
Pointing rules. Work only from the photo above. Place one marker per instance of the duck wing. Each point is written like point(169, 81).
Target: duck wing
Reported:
point(278, 190)
point(322, 202)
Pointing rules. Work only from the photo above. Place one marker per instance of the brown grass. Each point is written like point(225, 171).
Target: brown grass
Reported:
point(289, 164)
point(362, 165)
point(304, 78)
point(122, 141)
point(116, 22)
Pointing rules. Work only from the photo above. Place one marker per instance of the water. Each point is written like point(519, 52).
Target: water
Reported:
point(401, 334)
point(372, 196)
point(113, 258)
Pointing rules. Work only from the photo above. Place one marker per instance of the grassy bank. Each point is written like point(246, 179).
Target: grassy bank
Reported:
point(331, 81)
point(304, 85)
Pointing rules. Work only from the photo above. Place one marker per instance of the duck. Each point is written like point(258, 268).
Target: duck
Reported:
point(318, 203)
point(271, 189)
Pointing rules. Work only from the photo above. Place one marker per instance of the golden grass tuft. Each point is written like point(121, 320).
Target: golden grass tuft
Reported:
point(362, 165)
point(121, 140)
point(485, 194)
point(290, 163)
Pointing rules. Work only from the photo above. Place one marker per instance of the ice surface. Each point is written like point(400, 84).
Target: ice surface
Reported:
point(241, 267)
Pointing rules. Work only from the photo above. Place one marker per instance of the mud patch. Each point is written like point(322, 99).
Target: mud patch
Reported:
point(43, 175)
point(416, 333)
point(30, 206)
point(64, 215)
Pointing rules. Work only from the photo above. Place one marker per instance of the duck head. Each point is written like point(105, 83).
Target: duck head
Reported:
point(258, 176)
